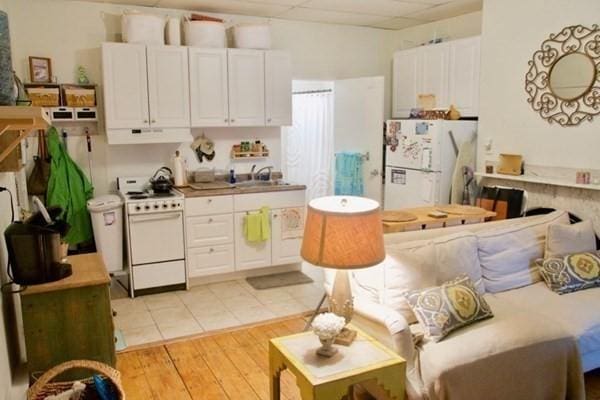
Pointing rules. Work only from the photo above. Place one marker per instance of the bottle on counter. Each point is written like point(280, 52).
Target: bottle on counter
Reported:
point(232, 179)
point(179, 173)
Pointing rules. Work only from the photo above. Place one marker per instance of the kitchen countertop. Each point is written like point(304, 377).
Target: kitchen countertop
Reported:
point(88, 270)
point(190, 193)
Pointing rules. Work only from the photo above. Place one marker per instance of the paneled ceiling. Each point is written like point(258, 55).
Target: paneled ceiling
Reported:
point(386, 14)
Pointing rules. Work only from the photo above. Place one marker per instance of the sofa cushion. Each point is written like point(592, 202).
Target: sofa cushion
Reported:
point(448, 307)
point(576, 312)
point(507, 256)
point(456, 255)
point(566, 239)
point(572, 272)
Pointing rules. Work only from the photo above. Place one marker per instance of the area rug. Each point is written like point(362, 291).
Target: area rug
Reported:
point(278, 280)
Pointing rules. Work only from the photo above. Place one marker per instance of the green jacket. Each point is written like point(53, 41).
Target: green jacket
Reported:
point(69, 188)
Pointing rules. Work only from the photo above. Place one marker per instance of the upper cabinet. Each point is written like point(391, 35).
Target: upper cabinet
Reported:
point(448, 70)
point(209, 97)
point(146, 93)
point(239, 87)
point(278, 88)
point(125, 85)
point(246, 87)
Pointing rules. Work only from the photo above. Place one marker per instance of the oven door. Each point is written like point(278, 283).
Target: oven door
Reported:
point(156, 237)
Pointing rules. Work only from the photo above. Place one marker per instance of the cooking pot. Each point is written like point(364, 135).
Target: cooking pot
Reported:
point(161, 180)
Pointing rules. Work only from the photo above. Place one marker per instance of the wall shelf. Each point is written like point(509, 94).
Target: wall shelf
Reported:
point(542, 180)
point(244, 155)
point(22, 120)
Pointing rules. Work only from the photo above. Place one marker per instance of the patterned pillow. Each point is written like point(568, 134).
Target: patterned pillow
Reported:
point(446, 308)
point(572, 272)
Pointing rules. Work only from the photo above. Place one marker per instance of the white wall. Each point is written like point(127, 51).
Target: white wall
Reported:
point(509, 40)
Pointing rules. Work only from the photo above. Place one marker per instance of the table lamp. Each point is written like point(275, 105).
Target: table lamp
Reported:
point(343, 232)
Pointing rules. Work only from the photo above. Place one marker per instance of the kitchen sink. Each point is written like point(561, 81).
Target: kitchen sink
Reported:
point(260, 183)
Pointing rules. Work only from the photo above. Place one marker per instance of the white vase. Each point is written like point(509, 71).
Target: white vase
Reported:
point(327, 349)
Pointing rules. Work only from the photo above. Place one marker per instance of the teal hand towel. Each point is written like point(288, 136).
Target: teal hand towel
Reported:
point(349, 174)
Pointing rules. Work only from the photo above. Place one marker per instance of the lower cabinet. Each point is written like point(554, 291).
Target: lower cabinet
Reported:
point(283, 251)
point(210, 260)
point(249, 255)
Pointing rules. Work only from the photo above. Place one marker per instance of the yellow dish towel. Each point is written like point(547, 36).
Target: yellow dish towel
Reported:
point(257, 226)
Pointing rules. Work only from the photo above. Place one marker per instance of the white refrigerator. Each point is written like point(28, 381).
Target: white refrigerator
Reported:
point(419, 160)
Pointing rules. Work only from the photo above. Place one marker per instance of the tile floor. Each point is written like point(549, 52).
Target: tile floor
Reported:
point(152, 318)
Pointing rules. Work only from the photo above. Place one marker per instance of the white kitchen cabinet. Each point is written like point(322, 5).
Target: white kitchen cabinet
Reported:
point(284, 250)
point(433, 69)
point(168, 86)
point(209, 99)
point(210, 260)
point(209, 230)
point(278, 88)
point(405, 82)
point(249, 255)
point(246, 73)
point(449, 70)
point(125, 86)
point(464, 75)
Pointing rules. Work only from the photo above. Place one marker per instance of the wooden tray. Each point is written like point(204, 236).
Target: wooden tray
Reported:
point(461, 209)
point(397, 216)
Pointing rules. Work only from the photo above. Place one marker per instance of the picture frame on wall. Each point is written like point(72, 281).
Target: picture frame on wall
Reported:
point(40, 69)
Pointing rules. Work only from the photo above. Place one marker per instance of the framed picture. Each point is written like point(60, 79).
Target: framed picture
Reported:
point(40, 70)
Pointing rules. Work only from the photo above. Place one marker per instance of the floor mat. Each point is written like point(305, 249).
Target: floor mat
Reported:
point(278, 280)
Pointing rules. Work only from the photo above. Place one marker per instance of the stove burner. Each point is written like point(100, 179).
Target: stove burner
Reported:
point(169, 194)
point(133, 193)
point(138, 196)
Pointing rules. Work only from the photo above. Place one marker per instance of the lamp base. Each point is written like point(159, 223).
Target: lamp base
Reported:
point(346, 337)
point(341, 303)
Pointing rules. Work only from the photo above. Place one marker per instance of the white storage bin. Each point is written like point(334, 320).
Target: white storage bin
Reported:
point(107, 222)
point(209, 34)
point(173, 31)
point(252, 36)
point(143, 28)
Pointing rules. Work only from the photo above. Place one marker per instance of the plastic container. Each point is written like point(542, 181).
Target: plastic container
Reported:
point(209, 34)
point(143, 28)
point(173, 31)
point(252, 36)
point(107, 222)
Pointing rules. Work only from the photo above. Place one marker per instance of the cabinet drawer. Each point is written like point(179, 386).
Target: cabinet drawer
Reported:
point(254, 201)
point(208, 205)
point(210, 260)
point(209, 230)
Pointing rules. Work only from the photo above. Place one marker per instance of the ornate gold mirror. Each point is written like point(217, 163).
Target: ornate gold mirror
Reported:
point(563, 81)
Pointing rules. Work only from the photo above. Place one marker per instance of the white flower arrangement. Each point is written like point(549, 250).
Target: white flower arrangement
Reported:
point(328, 325)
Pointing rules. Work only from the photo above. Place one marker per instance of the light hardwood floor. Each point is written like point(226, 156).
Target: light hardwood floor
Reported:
point(228, 365)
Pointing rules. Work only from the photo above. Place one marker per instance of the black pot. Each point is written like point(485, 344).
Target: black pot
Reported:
point(161, 181)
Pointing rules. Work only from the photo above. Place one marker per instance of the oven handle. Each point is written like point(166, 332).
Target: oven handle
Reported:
point(159, 217)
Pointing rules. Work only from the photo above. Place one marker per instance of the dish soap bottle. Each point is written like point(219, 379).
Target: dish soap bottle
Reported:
point(232, 176)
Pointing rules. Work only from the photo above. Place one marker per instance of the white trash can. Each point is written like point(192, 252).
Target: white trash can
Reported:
point(107, 221)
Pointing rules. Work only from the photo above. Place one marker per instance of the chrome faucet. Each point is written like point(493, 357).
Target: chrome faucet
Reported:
point(257, 174)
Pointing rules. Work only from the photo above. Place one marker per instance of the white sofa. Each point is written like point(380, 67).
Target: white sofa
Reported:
point(537, 345)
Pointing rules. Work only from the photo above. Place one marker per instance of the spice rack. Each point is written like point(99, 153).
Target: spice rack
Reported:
point(256, 150)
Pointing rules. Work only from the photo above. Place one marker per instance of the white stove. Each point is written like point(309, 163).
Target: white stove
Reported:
point(155, 237)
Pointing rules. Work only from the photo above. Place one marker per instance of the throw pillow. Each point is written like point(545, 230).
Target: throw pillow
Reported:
point(446, 308)
point(567, 239)
point(456, 254)
point(572, 272)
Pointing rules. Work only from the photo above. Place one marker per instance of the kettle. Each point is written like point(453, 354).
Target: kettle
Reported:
point(34, 247)
point(161, 180)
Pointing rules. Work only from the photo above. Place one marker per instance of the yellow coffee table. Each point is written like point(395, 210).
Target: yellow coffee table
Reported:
point(319, 378)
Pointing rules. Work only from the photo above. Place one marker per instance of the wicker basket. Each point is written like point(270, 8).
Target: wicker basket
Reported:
point(80, 97)
point(43, 387)
point(44, 97)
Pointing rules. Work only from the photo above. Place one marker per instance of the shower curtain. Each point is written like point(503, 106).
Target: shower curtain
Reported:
point(308, 144)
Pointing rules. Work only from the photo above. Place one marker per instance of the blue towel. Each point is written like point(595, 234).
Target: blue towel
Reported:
point(349, 174)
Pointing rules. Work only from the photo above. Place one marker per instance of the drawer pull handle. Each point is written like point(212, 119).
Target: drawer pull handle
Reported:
point(209, 201)
point(274, 215)
point(211, 250)
point(210, 220)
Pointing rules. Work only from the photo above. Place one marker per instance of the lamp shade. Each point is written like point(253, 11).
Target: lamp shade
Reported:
point(343, 232)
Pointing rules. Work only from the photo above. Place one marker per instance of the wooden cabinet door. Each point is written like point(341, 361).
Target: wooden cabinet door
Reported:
point(246, 70)
point(283, 251)
point(249, 255)
point(168, 86)
point(125, 84)
point(433, 69)
point(464, 76)
point(405, 82)
point(278, 88)
point(209, 100)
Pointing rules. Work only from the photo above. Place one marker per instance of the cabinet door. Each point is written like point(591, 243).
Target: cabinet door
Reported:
point(284, 251)
point(249, 255)
point(203, 261)
point(278, 88)
point(209, 230)
point(246, 87)
point(209, 100)
point(464, 76)
point(125, 83)
point(433, 68)
point(405, 82)
point(168, 87)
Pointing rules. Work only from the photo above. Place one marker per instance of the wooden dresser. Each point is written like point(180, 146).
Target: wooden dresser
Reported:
point(71, 318)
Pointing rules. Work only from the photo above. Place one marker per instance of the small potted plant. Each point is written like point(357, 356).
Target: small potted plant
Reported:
point(327, 326)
